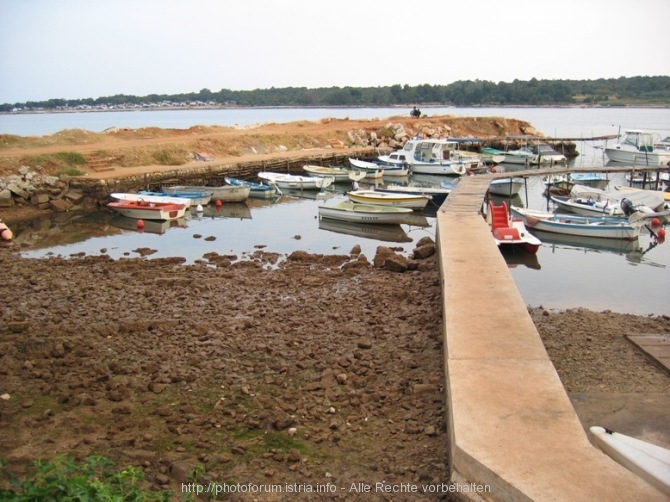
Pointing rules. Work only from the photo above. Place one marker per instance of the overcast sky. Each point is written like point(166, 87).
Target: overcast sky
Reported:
point(92, 48)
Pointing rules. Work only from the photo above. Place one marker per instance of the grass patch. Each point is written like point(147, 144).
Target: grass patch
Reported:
point(71, 158)
point(63, 479)
point(169, 157)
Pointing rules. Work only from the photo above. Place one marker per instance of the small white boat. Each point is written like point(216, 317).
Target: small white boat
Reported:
point(649, 461)
point(148, 210)
point(508, 231)
point(545, 154)
point(581, 226)
point(437, 195)
point(595, 180)
point(589, 205)
point(521, 156)
point(639, 178)
point(639, 147)
point(370, 169)
point(296, 182)
point(340, 174)
point(256, 190)
point(364, 213)
point(224, 193)
point(588, 201)
point(376, 197)
point(506, 187)
point(151, 198)
point(195, 197)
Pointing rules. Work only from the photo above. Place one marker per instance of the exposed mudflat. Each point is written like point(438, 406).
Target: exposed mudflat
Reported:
point(325, 369)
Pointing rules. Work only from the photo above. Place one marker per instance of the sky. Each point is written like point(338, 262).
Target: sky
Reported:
point(77, 49)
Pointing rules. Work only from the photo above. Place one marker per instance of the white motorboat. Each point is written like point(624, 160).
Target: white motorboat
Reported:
point(589, 201)
point(506, 187)
point(579, 226)
point(296, 182)
point(364, 213)
point(434, 156)
point(639, 147)
point(375, 197)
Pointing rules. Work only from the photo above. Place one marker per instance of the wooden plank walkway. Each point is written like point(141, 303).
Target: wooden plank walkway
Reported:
point(655, 346)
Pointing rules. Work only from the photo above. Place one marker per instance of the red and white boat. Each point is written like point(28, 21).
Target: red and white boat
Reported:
point(510, 231)
point(145, 210)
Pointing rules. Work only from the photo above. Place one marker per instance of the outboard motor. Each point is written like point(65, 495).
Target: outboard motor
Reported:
point(627, 207)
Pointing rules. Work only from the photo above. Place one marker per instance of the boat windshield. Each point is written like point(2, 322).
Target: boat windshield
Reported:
point(638, 138)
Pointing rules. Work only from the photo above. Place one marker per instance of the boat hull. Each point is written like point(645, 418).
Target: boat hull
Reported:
point(506, 187)
point(440, 168)
point(636, 158)
point(148, 211)
point(596, 208)
point(649, 461)
point(340, 174)
point(222, 193)
point(293, 182)
point(388, 199)
point(578, 226)
point(437, 195)
point(135, 197)
point(256, 190)
point(195, 197)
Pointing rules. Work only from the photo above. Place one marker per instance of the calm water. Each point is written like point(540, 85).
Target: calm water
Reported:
point(622, 277)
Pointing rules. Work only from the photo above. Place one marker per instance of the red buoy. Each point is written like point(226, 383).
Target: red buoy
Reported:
point(655, 222)
point(218, 203)
point(661, 234)
point(140, 224)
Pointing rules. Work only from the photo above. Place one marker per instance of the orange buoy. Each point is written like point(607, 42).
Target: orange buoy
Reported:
point(655, 222)
point(218, 203)
point(140, 224)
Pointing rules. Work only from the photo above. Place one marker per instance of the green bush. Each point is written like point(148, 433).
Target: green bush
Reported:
point(63, 479)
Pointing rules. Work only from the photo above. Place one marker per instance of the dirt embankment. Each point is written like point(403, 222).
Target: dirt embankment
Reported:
point(146, 147)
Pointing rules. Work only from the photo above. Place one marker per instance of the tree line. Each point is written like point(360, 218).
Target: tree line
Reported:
point(653, 90)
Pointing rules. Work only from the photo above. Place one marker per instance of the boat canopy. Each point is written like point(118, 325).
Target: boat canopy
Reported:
point(649, 198)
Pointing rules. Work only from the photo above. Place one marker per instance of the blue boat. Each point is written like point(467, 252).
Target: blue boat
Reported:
point(257, 190)
point(196, 198)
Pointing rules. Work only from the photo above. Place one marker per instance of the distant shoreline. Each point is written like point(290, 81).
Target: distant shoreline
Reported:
point(224, 107)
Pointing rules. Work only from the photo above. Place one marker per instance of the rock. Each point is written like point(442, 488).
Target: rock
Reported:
point(6, 199)
point(39, 199)
point(423, 252)
point(60, 205)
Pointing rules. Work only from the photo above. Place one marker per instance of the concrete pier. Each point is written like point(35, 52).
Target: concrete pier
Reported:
point(511, 424)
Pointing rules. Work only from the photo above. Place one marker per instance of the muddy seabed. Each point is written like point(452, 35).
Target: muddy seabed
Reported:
point(324, 369)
